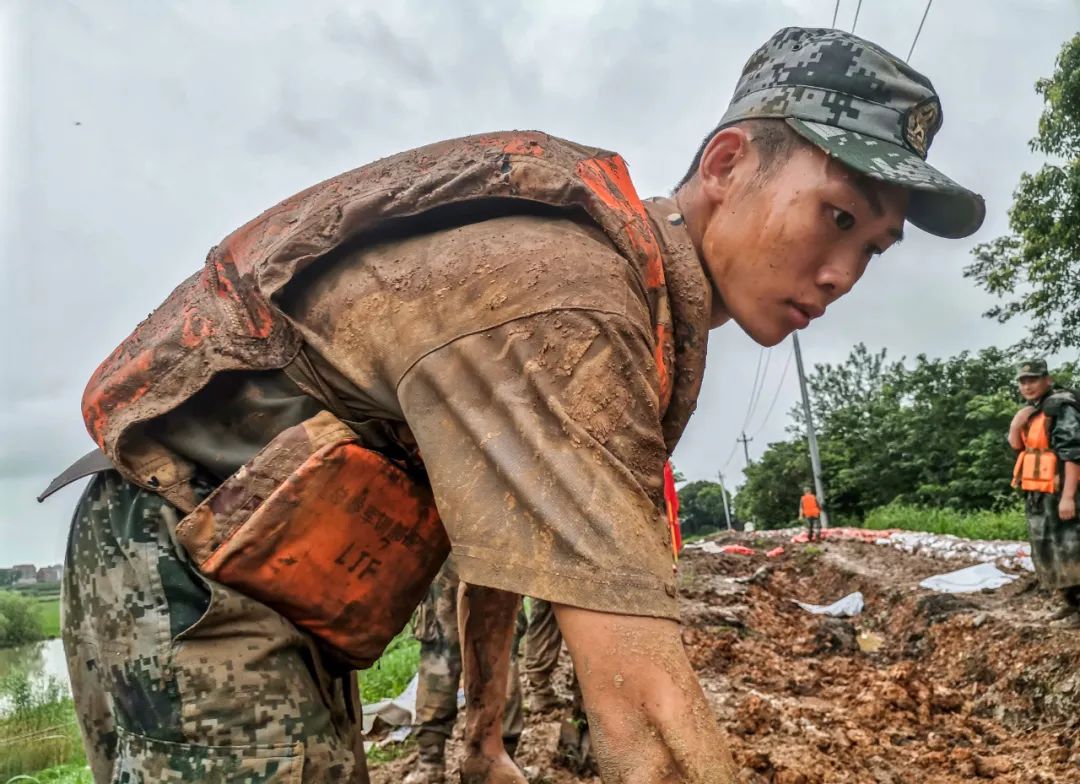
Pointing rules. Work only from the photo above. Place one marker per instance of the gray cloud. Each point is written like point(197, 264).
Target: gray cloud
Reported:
point(194, 117)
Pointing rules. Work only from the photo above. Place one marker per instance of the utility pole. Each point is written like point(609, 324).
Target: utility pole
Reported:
point(744, 441)
point(811, 436)
point(723, 493)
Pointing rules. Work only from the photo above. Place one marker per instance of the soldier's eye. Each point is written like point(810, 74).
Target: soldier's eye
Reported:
point(843, 219)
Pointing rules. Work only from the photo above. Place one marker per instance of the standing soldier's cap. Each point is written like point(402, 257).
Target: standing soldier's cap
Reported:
point(1032, 368)
point(863, 106)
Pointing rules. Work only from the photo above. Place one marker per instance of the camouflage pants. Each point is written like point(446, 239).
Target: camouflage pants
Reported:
point(1055, 544)
point(440, 666)
point(177, 678)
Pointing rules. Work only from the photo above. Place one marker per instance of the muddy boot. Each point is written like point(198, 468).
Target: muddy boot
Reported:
point(510, 743)
point(575, 747)
point(1070, 620)
point(430, 762)
point(1062, 613)
point(543, 699)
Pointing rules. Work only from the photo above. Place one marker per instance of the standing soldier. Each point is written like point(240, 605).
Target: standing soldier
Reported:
point(1046, 432)
point(507, 307)
point(810, 510)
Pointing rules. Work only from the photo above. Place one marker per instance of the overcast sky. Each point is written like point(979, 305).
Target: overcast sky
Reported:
point(136, 135)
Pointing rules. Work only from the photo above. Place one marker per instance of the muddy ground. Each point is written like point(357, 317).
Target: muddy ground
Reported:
point(962, 688)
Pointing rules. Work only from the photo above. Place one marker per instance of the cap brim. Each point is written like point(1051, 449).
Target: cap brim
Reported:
point(938, 205)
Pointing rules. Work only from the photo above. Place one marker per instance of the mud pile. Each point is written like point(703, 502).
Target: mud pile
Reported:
point(920, 687)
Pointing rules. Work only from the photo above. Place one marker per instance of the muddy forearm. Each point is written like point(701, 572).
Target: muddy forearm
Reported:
point(647, 713)
point(486, 620)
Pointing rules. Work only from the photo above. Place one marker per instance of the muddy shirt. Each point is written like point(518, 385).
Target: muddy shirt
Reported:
point(519, 352)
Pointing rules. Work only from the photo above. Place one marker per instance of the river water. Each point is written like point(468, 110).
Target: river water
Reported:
point(39, 660)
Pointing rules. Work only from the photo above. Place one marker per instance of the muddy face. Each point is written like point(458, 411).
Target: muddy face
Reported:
point(781, 247)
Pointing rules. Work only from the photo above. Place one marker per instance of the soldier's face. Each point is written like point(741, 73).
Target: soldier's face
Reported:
point(1034, 387)
point(782, 248)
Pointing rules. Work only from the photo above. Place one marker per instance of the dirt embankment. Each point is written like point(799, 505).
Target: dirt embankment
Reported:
point(959, 688)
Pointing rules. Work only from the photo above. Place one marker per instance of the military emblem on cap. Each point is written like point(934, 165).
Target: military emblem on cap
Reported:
point(922, 123)
point(863, 106)
point(1032, 367)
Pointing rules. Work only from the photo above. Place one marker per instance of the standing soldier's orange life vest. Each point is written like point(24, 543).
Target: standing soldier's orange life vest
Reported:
point(338, 538)
point(810, 506)
point(1036, 466)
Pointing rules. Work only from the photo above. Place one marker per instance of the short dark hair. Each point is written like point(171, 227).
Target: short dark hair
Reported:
point(774, 139)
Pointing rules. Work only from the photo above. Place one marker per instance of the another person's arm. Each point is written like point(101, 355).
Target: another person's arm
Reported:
point(1067, 505)
point(1065, 442)
point(1016, 427)
point(486, 618)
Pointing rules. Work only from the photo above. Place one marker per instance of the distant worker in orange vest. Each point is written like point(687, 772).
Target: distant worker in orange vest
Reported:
point(1047, 434)
point(810, 510)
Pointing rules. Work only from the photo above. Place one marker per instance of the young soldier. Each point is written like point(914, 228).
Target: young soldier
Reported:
point(1046, 432)
point(498, 321)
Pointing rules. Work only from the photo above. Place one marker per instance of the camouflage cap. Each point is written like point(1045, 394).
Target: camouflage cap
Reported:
point(1032, 368)
point(863, 106)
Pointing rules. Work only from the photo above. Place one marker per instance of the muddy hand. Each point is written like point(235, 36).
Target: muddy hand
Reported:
point(478, 769)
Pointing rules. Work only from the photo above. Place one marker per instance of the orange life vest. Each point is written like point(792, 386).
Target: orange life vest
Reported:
point(1036, 466)
point(810, 506)
point(338, 538)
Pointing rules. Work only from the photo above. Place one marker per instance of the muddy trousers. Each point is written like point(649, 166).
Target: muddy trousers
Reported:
point(1055, 544)
point(543, 641)
point(813, 528)
point(178, 678)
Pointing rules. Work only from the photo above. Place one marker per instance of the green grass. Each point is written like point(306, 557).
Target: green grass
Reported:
point(1009, 524)
point(40, 732)
point(40, 590)
point(392, 672)
point(61, 774)
point(380, 755)
point(49, 610)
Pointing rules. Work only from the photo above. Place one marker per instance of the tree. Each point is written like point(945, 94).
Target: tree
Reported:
point(770, 495)
point(20, 621)
point(930, 432)
point(701, 508)
point(1037, 265)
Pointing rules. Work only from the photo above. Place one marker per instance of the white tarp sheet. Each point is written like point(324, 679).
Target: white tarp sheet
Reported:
point(399, 711)
point(984, 576)
point(848, 607)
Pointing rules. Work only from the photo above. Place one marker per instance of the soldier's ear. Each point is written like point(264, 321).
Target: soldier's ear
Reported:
point(727, 153)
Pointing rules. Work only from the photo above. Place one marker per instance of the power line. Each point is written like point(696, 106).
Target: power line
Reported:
point(731, 454)
point(760, 389)
point(857, 9)
point(917, 32)
point(753, 388)
point(776, 395)
point(835, 12)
